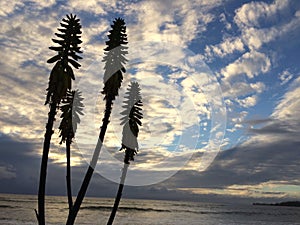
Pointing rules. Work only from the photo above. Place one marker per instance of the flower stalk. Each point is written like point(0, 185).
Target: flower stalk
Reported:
point(60, 81)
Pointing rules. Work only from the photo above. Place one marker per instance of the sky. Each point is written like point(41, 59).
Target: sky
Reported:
point(220, 86)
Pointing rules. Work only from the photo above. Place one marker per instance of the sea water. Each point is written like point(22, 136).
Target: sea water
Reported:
point(19, 209)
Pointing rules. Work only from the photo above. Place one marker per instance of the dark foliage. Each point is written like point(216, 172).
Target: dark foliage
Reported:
point(62, 72)
point(115, 59)
point(71, 108)
point(59, 82)
point(131, 119)
point(114, 68)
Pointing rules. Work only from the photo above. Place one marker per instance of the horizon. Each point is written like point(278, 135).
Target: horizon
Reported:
point(220, 86)
point(236, 201)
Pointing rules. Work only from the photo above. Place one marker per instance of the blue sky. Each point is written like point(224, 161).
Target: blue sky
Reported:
point(220, 85)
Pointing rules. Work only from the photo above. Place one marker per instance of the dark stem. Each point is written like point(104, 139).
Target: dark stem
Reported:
point(43, 171)
point(119, 195)
point(84, 186)
point(68, 176)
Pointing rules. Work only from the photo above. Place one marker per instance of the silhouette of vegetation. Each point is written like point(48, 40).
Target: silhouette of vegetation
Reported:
point(114, 68)
point(71, 108)
point(59, 82)
point(131, 120)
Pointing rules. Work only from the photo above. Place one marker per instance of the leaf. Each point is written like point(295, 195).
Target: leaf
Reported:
point(113, 59)
point(62, 36)
point(61, 42)
point(63, 30)
point(58, 49)
point(54, 59)
point(74, 63)
point(74, 56)
point(70, 72)
point(64, 25)
point(132, 112)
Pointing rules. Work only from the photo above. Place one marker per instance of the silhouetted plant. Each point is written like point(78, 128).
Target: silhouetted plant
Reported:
point(131, 121)
point(62, 72)
point(114, 68)
point(71, 109)
point(59, 83)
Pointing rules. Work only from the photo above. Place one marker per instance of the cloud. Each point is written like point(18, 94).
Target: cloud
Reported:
point(24, 72)
point(24, 75)
point(289, 105)
point(159, 23)
point(259, 87)
point(256, 20)
point(18, 165)
point(254, 38)
point(7, 172)
point(254, 13)
point(248, 191)
point(19, 169)
point(251, 165)
point(240, 89)
point(41, 4)
point(88, 6)
point(285, 77)
point(7, 7)
point(251, 63)
point(223, 19)
point(248, 101)
point(36, 32)
point(264, 166)
point(228, 46)
point(239, 119)
point(283, 124)
point(259, 27)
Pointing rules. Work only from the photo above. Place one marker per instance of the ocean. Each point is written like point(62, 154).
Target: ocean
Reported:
point(19, 209)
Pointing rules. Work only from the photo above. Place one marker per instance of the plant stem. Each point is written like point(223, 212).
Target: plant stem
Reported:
point(73, 213)
point(44, 162)
point(68, 176)
point(119, 195)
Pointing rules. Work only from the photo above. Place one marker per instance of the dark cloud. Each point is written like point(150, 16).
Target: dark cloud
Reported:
point(243, 165)
point(276, 127)
point(18, 155)
point(246, 165)
point(258, 121)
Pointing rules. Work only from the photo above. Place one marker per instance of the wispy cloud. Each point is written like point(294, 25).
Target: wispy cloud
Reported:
point(228, 46)
point(285, 77)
